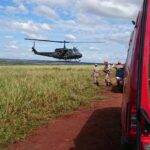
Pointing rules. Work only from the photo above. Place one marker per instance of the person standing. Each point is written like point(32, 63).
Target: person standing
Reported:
point(107, 70)
point(119, 73)
point(95, 74)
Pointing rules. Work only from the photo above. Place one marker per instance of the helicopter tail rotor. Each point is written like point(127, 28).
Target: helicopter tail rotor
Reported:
point(34, 44)
point(33, 48)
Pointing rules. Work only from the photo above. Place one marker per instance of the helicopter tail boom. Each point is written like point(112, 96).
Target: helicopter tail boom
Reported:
point(48, 54)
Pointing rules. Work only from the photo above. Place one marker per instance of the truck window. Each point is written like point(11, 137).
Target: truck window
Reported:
point(130, 50)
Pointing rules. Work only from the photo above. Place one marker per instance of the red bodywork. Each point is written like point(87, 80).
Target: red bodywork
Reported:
point(136, 96)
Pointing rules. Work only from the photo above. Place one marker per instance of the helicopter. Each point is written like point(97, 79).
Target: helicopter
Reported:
point(59, 53)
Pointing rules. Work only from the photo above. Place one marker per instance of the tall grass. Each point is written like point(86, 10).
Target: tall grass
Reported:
point(32, 95)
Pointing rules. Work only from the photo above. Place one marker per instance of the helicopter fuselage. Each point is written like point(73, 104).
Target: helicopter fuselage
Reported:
point(60, 53)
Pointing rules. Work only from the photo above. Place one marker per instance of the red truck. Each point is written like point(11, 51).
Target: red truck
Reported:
point(136, 97)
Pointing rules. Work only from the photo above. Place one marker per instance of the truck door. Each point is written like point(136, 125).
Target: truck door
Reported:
point(143, 94)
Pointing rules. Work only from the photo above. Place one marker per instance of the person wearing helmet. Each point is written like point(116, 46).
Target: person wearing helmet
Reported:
point(107, 70)
point(95, 74)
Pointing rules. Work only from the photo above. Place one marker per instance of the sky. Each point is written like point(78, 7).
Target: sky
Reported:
point(107, 21)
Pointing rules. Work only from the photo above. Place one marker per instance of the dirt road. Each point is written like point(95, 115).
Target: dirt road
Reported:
point(94, 128)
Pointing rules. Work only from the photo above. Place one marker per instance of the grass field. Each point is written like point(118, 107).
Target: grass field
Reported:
point(32, 95)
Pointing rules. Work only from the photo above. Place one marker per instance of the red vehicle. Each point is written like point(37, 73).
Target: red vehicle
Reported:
point(136, 96)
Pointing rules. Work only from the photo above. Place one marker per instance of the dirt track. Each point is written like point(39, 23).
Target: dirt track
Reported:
point(94, 128)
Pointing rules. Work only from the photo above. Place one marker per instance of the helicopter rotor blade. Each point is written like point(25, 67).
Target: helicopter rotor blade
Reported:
point(84, 42)
point(42, 40)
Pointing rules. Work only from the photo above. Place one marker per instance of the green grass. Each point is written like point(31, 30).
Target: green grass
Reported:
point(32, 95)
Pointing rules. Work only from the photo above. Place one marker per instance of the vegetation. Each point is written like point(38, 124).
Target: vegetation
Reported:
point(32, 95)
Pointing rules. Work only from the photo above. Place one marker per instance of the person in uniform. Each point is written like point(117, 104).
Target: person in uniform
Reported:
point(119, 73)
point(95, 74)
point(107, 70)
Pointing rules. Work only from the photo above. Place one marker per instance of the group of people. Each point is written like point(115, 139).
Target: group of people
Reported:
point(119, 75)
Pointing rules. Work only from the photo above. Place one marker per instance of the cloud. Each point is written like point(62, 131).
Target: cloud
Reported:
point(120, 37)
point(8, 36)
point(46, 26)
point(28, 28)
point(70, 37)
point(12, 47)
point(96, 29)
point(45, 11)
point(94, 48)
point(14, 9)
point(53, 3)
point(109, 8)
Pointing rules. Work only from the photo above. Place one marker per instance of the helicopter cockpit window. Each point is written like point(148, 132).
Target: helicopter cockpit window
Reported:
point(75, 49)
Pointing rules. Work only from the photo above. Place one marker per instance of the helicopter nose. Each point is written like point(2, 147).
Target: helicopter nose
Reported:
point(80, 55)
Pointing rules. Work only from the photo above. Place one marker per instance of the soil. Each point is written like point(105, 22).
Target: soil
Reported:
point(94, 128)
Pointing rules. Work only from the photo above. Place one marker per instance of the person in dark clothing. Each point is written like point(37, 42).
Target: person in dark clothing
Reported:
point(119, 73)
point(120, 76)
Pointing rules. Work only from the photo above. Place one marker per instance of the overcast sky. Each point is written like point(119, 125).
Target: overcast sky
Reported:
point(75, 20)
